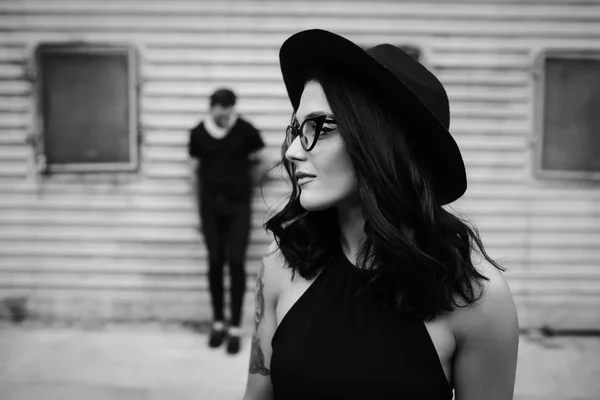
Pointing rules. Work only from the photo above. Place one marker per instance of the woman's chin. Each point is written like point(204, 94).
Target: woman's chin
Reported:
point(311, 203)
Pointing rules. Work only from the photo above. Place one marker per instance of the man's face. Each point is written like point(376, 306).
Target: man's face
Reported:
point(221, 115)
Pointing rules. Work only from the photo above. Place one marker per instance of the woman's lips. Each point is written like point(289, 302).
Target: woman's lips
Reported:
point(304, 177)
point(302, 174)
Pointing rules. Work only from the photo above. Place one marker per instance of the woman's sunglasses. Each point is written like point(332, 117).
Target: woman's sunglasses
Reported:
point(309, 131)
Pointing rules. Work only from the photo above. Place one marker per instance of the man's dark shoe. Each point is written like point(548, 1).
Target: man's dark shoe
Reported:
point(217, 336)
point(233, 345)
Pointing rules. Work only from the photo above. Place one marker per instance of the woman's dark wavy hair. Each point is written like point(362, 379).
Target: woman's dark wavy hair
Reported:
point(419, 253)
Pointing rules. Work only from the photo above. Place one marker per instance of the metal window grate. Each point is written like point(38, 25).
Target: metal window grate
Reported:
point(87, 107)
point(567, 121)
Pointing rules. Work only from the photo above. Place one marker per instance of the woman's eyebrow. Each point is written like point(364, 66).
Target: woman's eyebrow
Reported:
point(314, 114)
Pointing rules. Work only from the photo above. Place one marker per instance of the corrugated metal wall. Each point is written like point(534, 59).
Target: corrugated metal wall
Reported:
point(126, 245)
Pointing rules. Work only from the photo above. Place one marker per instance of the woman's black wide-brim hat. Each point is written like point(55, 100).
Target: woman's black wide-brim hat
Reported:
point(402, 81)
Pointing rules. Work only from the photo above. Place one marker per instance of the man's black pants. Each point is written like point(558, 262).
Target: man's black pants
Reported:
point(226, 228)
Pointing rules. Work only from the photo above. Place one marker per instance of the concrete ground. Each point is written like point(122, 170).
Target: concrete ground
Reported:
point(172, 362)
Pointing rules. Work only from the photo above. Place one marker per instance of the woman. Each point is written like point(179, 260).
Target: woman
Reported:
point(372, 290)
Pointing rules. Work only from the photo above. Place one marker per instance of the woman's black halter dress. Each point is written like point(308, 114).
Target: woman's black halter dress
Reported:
point(338, 342)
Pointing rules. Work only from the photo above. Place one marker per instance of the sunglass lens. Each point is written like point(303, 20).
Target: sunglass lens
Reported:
point(304, 140)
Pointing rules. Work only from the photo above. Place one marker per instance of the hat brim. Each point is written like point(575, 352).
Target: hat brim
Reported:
point(434, 145)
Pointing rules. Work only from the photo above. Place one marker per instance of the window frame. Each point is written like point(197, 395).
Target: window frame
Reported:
point(131, 54)
point(538, 115)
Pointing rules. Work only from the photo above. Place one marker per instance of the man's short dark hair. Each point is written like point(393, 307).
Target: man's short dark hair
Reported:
point(223, 97)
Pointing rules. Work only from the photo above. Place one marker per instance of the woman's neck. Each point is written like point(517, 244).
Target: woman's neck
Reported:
point(351, 224)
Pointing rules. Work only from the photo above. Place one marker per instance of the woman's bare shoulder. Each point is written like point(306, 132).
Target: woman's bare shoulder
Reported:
point(486, 334)
point(494, 306)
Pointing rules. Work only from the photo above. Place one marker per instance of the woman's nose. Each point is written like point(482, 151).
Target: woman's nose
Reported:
point(295, 152)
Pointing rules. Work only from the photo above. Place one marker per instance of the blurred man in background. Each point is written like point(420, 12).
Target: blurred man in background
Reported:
point(226, 147)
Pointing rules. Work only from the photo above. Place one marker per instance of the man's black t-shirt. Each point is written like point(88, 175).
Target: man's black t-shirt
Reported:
point(224, 167)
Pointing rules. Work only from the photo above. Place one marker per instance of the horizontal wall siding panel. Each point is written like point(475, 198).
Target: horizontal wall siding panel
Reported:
point(466, 75)
point(146, 39)
point(14, 105)
point(12, 137)
point(200, 23)
point(106, 185)
point(197, 107)
point(182, 202)
point(14, 120)
point(582, 208)
point(137, 250)
point(186, 89)
point(480, 158)
point(495, 159)
point(555, 273)
point(134, 282)
point(566, 287)
point(14, 88)
point(177, 235)
point(12, 54)
point(108, 266)
point(515, 258)
point(532, 44)
point(507, 224)
point(73, 226)
point(180, 137)
point(109, 187)
point(187, 204)
point(49, 201)
point(210, 73)
point(533, 256)
point(198, 282)
point(69, 218)
point(251, 107)
point(159, 88)
point(460, 126)
point(496, 143)
point(542, 191)
point(137, 233)
point(499, 222)
point(198, 266)
point(15, 153)
point(212, 56)
point(120, 234)
point(11, 71)
point(157, 171)
point(14, 168)
point(207, 63)
point(540, 10)
point(235, 40)
point(175, 197)
point(493, 59)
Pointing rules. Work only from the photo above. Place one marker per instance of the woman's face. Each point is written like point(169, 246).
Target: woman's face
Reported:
point(331, 180)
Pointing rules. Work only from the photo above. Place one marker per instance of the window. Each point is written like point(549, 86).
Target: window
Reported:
point(87, 107)
point(567, 118)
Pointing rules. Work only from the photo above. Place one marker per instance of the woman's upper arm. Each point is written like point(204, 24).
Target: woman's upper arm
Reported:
point(268, 285)
point(488, 336)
